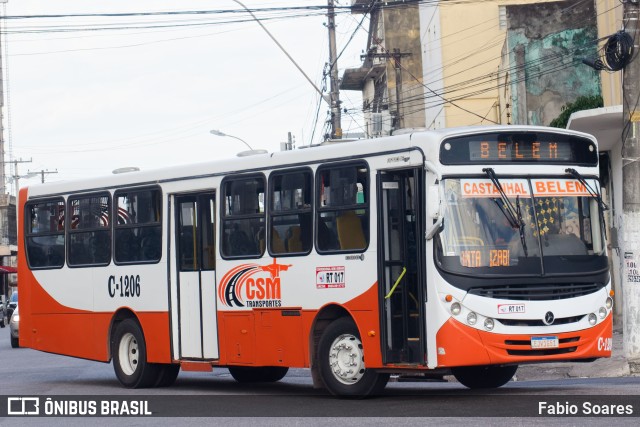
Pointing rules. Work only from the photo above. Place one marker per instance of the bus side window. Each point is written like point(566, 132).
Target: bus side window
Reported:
point(138, 229)
point(290, 212)
point(243, 217)
point(89, 237)
point(342, 207)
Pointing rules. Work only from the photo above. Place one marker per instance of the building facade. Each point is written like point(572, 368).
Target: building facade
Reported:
point(445, 64)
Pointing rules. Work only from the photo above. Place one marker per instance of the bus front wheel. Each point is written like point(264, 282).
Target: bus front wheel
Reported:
point(484, 376)
point(341, 362)
point(130, 356)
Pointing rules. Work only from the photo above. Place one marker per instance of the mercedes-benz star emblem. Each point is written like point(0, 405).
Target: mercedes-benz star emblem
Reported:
point(548, 318)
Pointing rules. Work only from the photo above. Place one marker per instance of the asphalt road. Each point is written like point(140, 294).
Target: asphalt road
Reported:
point(25, 372)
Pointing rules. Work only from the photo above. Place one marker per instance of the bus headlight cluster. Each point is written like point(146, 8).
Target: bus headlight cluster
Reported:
point(609, 303)
point(593, 319)
point(472, 317)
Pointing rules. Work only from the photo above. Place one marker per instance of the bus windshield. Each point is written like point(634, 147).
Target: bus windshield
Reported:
point(547, 226)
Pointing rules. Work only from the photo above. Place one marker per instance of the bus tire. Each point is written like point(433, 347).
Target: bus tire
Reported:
point(167, 374)
point(490, 376)
point(261, 374)
point(130, 356)
point(341, 362)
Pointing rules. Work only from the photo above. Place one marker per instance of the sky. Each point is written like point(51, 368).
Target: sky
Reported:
point(80, 104)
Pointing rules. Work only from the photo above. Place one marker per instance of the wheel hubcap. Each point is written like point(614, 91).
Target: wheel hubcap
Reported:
point(128, 353)
point(346, 359)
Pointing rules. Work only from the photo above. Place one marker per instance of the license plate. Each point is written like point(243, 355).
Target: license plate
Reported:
point(544, 342)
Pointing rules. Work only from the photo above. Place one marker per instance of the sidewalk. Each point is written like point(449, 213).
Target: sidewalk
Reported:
point(615, 366)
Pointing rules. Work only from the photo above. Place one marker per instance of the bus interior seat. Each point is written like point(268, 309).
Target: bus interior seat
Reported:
point(294, 241)
point(151, 242)
point(239, 243)
point(277, 244)
point(327, 240)
point(126, 245)
point(350, 233)
point(37, 256)
point(101, 246)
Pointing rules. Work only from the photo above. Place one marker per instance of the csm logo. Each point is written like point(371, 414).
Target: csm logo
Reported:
point(23, 406)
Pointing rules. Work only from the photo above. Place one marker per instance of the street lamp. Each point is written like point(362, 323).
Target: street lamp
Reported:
point(16, 178)
point(218, 133)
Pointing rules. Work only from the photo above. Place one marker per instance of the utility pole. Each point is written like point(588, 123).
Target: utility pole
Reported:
point(43, 173)
point(3, 188)
point(631, 194)
point(336, 116)
point(397, 65)
point(16, 176)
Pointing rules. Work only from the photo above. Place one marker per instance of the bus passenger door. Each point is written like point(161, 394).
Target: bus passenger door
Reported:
point(401, 265)
point(194, 297)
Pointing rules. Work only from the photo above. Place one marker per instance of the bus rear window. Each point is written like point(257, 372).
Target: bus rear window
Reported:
point(45, 234)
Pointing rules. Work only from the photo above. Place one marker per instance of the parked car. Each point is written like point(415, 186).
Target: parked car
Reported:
point(4, 319)
point(13, 327)
point(13, 303)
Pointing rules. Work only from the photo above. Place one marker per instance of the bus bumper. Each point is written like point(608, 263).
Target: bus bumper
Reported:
point(462, 345)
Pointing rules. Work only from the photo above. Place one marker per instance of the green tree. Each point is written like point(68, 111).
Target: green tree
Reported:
point(581, 103)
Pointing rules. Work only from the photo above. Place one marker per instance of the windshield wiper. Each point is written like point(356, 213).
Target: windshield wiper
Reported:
point(596, 195)
point(574, 173)
point(523, 239)
point(513, 214)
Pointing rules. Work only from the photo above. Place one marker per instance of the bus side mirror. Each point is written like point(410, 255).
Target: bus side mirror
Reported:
point(433, 202)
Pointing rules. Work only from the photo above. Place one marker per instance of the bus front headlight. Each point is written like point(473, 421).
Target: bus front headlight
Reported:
point(602, 312)
point(609, 303)
point(472, 318)
point(488, 324)
point(455, 308)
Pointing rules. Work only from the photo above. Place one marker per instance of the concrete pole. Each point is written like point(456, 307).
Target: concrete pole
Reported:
point(336, 115)
point(631, 195)
point(2, 168)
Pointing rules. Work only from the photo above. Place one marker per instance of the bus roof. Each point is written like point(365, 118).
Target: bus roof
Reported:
point(426, 140)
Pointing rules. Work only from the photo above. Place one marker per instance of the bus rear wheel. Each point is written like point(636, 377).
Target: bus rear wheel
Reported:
point(490, 376)
point(130, 356)
point(166, 374)
point(341, 362)
point(260, 374)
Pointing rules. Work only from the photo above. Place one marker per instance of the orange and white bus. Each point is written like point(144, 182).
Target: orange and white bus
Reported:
point(461, 251)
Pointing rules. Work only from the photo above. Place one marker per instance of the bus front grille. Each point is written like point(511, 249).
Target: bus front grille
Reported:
point(539, 322)
point(537, 292)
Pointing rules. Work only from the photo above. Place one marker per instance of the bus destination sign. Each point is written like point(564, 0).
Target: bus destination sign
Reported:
point(518, 147)
point(497, 151)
